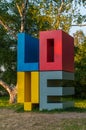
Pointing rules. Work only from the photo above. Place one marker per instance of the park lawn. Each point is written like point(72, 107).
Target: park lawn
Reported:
point(80, 106)
point(69, 119)
point(4, 102)
point(80, 103)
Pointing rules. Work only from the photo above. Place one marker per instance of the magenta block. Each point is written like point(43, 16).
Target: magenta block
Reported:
point(56, 51)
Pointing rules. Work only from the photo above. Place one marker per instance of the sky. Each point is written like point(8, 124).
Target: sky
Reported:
point(76, 28)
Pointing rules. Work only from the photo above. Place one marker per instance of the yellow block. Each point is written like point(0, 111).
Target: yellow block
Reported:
point(28, 88)
point(35, 87)
point(21, 84)
point(27, 106)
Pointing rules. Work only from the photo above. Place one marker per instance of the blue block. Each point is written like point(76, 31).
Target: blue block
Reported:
point(28, 53)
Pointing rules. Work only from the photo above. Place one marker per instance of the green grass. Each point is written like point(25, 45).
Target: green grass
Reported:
point(4, 103)
point(61, 124)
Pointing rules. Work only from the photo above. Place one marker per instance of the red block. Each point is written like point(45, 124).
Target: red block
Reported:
point(56, 51)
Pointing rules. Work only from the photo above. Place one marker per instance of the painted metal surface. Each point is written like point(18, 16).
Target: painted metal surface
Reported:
point(20, 84)
point(28, 53)
point(28, 88)
point(52, 106)
point(53, 91)
point(39, 64)
point(59, 55)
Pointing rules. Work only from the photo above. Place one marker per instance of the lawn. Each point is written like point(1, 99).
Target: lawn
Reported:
point(14, 117)
point(80, 105)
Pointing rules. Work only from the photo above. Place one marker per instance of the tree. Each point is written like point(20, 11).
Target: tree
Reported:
point(12, 91)
point(80, 67)
point(10, 51)
point(79, 38)
point(22, 11)
point(8, 69)
point(31, 17)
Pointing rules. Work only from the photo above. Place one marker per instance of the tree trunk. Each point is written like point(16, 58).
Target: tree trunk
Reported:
point(11, 91)
point(22, 11)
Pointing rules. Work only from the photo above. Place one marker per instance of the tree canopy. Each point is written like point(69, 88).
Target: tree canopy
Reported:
point(39, 15)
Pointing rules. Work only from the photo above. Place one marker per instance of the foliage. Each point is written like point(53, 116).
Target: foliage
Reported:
point(41, 15)
point(79, 8)
point(80, 104)
point(7, 58)
point(7, 46)
point(80, 67)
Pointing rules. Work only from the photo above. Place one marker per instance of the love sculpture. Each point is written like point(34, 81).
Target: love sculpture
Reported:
point(45, 70)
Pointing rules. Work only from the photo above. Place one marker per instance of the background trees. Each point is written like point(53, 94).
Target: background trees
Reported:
point(80, 65)
point(39, 15)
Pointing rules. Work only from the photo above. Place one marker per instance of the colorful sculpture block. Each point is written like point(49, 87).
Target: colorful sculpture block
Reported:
point(50, 93)
point(56, 51)
point(34, 93)
point(21, 85)
point(28, 87)
point(28, 53)
point(27, 106)
point(43, 67)
point(24, 86)
point(35, 87)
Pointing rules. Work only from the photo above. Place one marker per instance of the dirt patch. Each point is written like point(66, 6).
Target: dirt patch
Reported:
point(11, 120)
